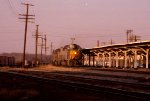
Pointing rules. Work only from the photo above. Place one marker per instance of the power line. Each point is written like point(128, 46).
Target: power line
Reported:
point(12, 40)
point(85, 35)
point(12, 8)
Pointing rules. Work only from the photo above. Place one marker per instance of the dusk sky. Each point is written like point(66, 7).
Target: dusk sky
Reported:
point(85, 20)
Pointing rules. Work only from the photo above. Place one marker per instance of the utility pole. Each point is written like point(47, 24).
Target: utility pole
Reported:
point(45, 39)
point(51, 47)
point(51, 52)
point(97, 43)
point(26, 17)
point(36, 43)
point(41, 49)
point(36, 36)
point(45, 44)
point(129, 35)
point(111, 42)
point(137, 38)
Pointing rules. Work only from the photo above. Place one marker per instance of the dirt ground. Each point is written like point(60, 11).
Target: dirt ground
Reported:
point(14, 88)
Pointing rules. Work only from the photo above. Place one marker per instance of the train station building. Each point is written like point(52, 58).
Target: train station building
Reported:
point(130, 55)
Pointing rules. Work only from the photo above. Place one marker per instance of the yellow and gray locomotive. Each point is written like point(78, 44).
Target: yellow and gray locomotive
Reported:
point(69, 55)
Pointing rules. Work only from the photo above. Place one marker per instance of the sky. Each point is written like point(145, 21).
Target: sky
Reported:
point(85, 20)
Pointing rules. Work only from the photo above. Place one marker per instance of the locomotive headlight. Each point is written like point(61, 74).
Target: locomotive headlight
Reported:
point(73, 52)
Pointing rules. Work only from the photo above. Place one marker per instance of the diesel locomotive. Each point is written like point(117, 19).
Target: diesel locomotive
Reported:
point(69, 55)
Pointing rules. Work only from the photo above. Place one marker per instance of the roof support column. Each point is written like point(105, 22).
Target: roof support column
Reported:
point(103, 59)
point(109, 59)
point(147, 57)
point(98, 60)
point(89, 60)
point(93, 60)
point(135, 59)
point(83, 59)
point(125, 58)
point(117, 62)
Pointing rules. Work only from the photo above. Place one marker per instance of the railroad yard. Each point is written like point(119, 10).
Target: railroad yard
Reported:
point(75, 50)
point(51, 83)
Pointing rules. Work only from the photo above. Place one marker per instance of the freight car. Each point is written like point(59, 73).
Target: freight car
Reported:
point(69, 55)
point(7, 61)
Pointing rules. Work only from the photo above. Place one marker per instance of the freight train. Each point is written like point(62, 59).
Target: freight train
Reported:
point(69, 55)
point(7, 61)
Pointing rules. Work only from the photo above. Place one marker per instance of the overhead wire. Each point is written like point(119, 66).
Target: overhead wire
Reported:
point(84, 36)
point(15, 9)
point(12, 8)
point(12, 40)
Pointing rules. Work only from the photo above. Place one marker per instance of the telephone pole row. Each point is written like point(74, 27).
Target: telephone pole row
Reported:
point(43, 46)
point(36, 36)
point(131, 37)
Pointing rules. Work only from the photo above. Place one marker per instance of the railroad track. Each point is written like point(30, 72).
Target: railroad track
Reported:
point(90, 85)
point(120, 82)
